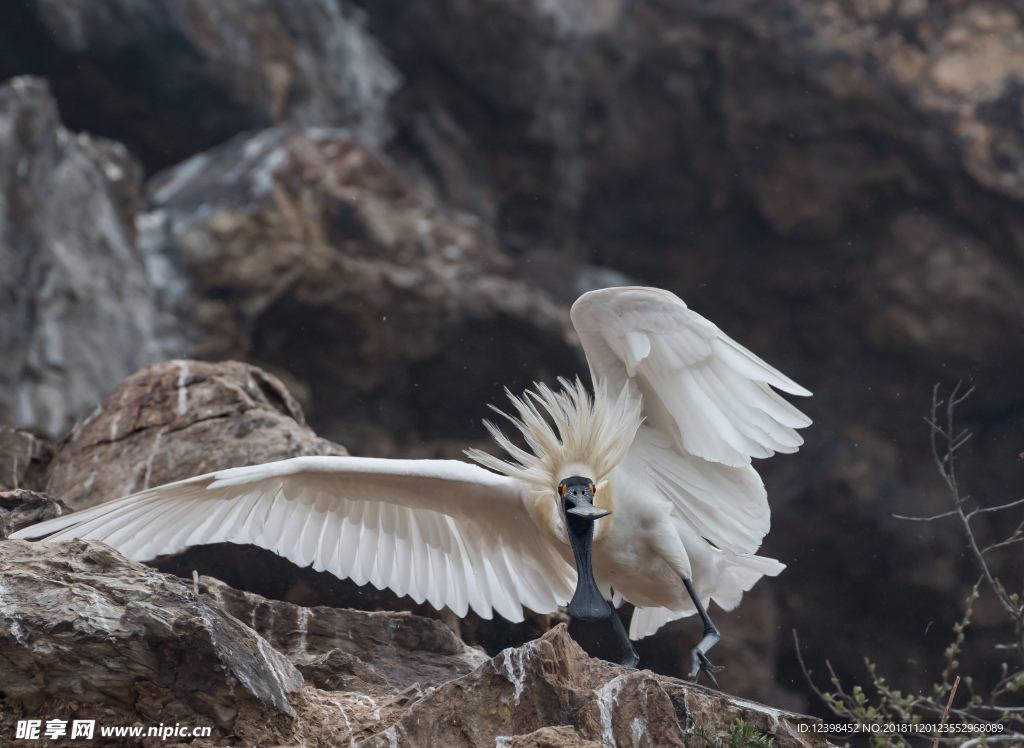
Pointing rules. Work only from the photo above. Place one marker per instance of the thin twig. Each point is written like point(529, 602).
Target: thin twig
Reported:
point(1009, 541)
point(803, 667)
point(951, 513)
point(945, 713)
point(999, 508)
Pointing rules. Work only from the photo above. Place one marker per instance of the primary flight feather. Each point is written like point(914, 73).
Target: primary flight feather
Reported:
point(645, 487)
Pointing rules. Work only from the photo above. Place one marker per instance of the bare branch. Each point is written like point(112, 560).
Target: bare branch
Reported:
point(803, 667)
point(951, 513)
point(1009, 541)
point(979, 510)
point(945, 712)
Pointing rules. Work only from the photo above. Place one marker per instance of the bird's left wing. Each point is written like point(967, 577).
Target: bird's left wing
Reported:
point(708, 403)
point(444, 531)
point(705, 391)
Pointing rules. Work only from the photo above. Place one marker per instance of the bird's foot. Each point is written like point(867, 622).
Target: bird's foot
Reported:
point(631, 659)
point(701, 664)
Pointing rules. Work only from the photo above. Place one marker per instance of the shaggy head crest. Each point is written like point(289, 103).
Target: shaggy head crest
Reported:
point(581, 431)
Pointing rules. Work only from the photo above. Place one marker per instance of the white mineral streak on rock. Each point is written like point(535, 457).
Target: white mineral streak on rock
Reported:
point(152, 456)
point(640, 725)
point(607, 697)
point(182, 389)
point(373, 704)
point(302, 626)
point(392, 735)
point(343, 714)
point(515, 668)
point(503, 741)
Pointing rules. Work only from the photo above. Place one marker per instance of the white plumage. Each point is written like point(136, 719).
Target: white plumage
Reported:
point(679, 409)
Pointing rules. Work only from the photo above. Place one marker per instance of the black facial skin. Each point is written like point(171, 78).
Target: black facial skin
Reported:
point(587, 604)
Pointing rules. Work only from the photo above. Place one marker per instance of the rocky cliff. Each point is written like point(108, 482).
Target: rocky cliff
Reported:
point(390, 205)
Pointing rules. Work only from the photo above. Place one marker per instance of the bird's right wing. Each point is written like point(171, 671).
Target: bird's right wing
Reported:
point(444, 531)
point(708, 405)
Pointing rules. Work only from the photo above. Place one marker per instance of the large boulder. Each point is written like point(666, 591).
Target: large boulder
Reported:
point(176, 420)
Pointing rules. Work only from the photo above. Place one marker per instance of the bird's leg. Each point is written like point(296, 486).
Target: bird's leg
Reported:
point(629, 658)
point(699, 661)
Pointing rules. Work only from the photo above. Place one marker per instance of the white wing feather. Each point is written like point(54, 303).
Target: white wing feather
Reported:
point(443, 531)
point(707, 392)
point(708, 403)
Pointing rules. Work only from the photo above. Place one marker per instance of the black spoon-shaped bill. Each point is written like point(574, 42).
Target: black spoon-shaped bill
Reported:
point(587, 604)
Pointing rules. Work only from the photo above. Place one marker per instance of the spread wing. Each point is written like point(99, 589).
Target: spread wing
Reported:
point(708, 403)
point(444, 531)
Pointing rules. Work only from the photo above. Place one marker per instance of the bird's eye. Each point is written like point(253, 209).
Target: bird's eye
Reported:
point(592, 488)
point(561, 489)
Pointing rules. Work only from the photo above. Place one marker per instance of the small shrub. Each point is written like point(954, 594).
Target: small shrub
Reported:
point(894, 718)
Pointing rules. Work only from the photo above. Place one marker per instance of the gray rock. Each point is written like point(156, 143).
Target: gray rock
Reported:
point(24, 459)
point(312, 251)
point(79, 622)
point(20, 508)
point(172, 78)
point(77, 311)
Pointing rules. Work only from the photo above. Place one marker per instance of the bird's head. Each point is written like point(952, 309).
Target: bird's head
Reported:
point(577, 495)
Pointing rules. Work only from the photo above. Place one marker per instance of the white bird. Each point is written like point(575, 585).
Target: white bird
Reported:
point(646, 488)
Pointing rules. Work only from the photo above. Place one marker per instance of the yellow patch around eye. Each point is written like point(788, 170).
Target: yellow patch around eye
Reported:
point(592, 489)
point(561, 489)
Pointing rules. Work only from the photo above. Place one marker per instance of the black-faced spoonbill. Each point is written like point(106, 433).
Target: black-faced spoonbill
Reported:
point(645, 489)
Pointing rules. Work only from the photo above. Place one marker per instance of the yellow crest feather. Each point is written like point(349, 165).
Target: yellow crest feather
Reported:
point(563, 429)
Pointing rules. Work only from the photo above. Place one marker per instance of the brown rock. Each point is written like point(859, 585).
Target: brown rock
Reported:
point(383, 652)
point(81, 624)
point(552, 737)
point(696, 705)
point(179, 419)
point(87, 634)
point(939, 291)
point(313, 252)
point(550, 683)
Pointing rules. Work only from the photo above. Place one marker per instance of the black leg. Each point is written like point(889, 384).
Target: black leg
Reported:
point(698, 656)
point(629, 658)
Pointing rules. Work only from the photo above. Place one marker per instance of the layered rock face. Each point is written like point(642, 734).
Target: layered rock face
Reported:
point(132, 647)
point(391, 208)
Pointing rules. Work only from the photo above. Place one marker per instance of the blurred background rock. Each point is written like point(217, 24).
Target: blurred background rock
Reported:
point(390, 206)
